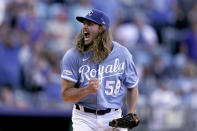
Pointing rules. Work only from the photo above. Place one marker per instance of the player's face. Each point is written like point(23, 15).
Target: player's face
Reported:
point(90, 31)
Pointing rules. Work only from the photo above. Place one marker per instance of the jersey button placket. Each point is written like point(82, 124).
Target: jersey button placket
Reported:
point(98, 75)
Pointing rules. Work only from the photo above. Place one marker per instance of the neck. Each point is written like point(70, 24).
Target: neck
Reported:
point(87, 47)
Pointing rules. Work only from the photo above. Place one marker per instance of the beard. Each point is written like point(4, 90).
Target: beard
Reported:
point(88, 46)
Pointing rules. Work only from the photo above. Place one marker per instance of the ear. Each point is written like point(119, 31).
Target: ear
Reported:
point(102, 28)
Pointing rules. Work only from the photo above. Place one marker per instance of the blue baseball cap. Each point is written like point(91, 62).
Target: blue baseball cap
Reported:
point(96, 16)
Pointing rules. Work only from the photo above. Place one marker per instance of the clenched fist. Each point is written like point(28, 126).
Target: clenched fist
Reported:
point(93, 85)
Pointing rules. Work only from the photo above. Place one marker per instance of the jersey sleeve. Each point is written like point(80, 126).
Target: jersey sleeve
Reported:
point(69, 66)
point(130, 77)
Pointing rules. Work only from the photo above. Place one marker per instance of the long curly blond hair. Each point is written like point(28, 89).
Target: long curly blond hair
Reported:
point(100, 48)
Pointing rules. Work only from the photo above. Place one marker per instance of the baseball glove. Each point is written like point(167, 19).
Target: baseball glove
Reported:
point(129, 121)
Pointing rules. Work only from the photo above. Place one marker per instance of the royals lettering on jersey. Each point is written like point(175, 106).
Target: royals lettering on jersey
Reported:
point(116, 68)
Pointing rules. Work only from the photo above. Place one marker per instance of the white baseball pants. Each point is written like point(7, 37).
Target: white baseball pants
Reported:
point(83, 121)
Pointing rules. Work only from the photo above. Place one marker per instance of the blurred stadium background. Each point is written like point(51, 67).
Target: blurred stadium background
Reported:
point(161, 35)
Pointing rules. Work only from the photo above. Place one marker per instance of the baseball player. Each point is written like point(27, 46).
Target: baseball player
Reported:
point(96, 74)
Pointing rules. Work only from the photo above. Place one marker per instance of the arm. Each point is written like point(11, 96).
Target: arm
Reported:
point(72, 94)
point(132, 96)
point(130, 120)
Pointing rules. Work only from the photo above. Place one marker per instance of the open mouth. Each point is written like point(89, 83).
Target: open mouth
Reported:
point(86, 35)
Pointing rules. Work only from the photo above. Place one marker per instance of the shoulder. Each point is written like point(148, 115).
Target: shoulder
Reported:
point(121, 49)
point(71, 53)
point(118, 45)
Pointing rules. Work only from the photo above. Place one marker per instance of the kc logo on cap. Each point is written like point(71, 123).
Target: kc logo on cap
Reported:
point(90, 13)
point(96, 16)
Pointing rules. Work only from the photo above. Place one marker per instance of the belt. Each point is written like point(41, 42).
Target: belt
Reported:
point(97, 112)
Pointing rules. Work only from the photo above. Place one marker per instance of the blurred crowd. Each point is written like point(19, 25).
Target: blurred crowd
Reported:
point(161, 35)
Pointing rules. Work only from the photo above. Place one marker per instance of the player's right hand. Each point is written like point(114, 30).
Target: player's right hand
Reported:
point(93, 85)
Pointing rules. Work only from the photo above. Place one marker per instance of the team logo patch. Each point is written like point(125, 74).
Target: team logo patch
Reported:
point(67, 72)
